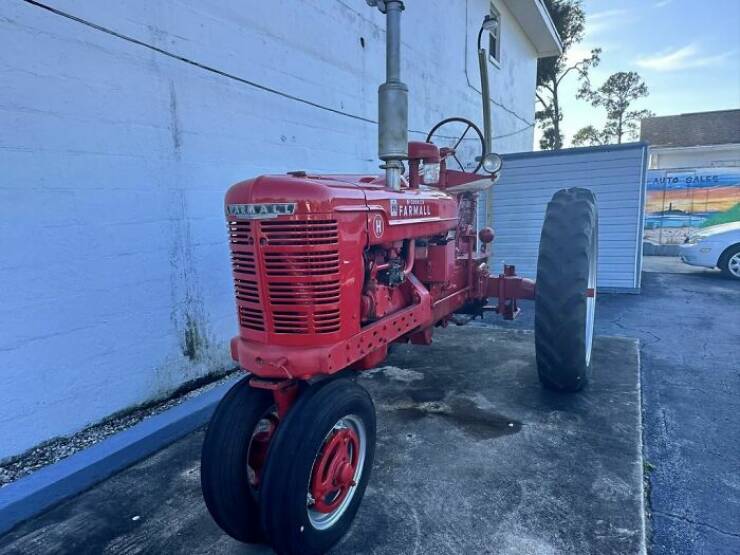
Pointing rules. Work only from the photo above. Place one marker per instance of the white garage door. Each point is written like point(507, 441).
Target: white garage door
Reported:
point(615, 173)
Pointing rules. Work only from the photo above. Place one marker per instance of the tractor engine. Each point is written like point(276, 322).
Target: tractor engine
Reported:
point(323, 263)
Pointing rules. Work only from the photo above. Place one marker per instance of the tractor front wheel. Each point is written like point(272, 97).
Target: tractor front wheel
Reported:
point(320, 462)
point(233, 459)
point(565, 296)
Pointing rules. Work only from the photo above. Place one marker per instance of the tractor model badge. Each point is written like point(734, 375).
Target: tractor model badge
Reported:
point(260, 211)
point(410, 208)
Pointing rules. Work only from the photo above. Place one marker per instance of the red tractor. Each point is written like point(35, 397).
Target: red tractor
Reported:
point(329, 271)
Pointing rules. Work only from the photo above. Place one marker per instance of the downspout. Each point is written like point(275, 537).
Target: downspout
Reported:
point(485, 93)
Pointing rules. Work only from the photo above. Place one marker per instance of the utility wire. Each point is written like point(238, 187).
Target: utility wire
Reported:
point(231, 76)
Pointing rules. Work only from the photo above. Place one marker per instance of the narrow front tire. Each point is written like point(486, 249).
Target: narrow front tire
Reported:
point(233, 459)
point(319, 466)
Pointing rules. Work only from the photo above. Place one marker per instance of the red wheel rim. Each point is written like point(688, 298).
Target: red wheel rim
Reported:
point(334, 470)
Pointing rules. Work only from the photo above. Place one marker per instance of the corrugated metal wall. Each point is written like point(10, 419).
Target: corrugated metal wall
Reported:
point(615, 173)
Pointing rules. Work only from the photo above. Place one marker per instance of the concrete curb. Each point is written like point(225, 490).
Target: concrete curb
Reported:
point(48, 486)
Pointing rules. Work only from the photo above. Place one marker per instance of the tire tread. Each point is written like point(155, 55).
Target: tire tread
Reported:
point(566, 247)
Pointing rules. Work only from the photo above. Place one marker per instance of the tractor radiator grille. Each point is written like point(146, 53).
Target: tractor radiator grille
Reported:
point(246, 285)
point(297, 265)
point(322, 292)
point(244, 263)
point(326, 321)
point(247, 290)
point(301, 234)
point(240, 233)
point(251, 318)
point(302, 265)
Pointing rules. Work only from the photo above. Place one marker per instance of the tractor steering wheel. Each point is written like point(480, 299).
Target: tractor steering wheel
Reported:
point(451, 133)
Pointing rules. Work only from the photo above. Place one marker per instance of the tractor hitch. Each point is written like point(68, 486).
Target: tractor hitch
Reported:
point(508, 288)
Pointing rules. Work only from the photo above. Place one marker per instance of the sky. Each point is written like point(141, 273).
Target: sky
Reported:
point(687, 52)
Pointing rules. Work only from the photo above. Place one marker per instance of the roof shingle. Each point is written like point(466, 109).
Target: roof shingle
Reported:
point(700, 128)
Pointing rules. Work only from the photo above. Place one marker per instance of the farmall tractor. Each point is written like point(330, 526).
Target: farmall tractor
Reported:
point(329, 272)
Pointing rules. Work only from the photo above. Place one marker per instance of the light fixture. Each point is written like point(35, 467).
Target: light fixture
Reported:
point(489, 24)
point(492, 162)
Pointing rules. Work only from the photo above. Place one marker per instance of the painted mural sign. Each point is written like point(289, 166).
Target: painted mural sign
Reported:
point(681, 201)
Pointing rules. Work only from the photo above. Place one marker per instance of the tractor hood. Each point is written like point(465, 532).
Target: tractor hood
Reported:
point(270, 196)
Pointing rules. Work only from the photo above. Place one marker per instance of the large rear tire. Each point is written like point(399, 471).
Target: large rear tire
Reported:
point(566, 271)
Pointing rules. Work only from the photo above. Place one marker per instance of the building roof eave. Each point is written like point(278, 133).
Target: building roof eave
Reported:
point(535, 20)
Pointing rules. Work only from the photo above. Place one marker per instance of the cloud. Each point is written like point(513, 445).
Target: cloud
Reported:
point(686, 57)
point(662, 3)
point(598, 21)
point(578, 52)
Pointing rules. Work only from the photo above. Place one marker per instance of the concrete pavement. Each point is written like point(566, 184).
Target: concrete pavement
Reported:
point(473, 457)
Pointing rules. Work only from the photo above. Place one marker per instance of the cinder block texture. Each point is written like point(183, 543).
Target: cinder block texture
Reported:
point(120, 130)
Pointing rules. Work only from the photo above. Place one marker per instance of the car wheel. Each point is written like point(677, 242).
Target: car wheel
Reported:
point(729, 262)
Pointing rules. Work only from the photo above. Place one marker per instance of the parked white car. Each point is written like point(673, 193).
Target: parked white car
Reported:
point(715, 246)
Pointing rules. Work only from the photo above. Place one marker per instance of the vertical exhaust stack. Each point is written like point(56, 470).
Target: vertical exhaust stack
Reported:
point(393, 103)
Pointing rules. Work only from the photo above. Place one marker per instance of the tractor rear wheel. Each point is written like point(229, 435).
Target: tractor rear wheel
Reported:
point(319, 466)
point(565, 295)
point(233, 459)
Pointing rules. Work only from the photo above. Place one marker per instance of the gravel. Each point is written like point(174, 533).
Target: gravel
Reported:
point(59, 448)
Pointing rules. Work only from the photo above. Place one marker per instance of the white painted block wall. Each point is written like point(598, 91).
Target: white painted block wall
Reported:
point(114, 159)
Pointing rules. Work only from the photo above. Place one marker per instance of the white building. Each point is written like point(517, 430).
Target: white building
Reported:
point(696, 140)
point(123, 123)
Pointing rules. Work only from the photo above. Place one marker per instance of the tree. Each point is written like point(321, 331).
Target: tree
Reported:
point(616, 96)
point(588, 135)
point(569, 20)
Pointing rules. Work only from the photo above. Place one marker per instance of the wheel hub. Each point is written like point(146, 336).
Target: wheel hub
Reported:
point(734, 265)
point(334, 470)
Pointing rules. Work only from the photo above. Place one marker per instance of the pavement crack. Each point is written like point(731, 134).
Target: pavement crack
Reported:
point(664, 422)
point(656, 338)
point(631, 329)
point(696, 523)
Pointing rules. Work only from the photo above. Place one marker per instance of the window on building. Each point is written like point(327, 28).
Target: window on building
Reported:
point(494, 37)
